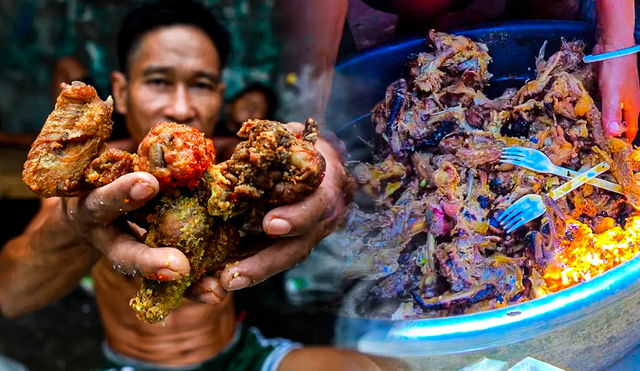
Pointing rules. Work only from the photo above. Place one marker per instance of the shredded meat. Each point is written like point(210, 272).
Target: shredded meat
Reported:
point(431, 240)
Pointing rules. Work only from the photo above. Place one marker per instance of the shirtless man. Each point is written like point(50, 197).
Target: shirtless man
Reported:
point(171, 55)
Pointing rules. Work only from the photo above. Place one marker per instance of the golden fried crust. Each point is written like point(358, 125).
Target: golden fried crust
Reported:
point(198, 198)
point(177, 155)
point(74, 134)
point(272, 167)
point(182, 223)
point(111, 165)
point(275, 162)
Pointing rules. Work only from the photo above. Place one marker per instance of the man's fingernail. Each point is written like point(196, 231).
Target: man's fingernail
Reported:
point(278, 227)
point(141, 191)
point(239, 282)
point(210, 298)
point(163, 275)
point(614, 128)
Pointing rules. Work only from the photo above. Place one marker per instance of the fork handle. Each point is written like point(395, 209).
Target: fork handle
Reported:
point(601, 183)
point(579, 180)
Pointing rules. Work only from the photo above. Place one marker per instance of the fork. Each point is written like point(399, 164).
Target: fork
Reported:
point(531, 206)
point(537, 161)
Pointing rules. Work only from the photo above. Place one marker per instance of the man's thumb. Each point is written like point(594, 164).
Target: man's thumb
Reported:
point(612, 116)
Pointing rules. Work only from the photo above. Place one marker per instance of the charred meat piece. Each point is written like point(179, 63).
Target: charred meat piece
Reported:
point(272, 167)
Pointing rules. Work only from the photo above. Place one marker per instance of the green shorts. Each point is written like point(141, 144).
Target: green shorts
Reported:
point(248, 351)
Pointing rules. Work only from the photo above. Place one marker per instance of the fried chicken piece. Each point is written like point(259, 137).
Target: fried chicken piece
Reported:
point(109, 166)
point(271, 168)
point(177, 155)
point(185, 224)
point(74, 134)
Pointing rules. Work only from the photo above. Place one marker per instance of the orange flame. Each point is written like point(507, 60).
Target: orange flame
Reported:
point(585, 254)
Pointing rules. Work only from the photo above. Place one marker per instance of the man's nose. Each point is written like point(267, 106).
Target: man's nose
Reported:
point(180, 108)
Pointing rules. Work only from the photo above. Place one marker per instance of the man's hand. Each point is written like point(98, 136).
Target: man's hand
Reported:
point(618, 77)
point(620, 90)
point(93, 219)
point(301, 226)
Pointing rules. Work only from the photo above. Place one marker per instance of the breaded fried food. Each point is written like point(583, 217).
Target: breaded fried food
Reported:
point(111, 165)
point(74, 134)
point(201, 207)
point(272, 167)
point(177, 155)
point(181, 222)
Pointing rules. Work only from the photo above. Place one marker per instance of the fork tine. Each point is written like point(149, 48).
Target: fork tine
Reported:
point(519, 224)
point(522, 217)
point(513, 149)
point(510, 157)
point(506, 212)
point(512, 162)
point(514, 216)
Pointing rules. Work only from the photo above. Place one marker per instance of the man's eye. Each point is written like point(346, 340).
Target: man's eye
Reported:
point(204, 85)
point(158, 82)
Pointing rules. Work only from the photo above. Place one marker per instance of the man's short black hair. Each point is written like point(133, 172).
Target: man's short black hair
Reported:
point(161, 13)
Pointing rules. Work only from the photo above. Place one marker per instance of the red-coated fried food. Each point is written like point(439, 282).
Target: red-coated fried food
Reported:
point(177, 155)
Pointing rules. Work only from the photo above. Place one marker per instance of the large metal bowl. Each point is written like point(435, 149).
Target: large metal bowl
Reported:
point(584, 328)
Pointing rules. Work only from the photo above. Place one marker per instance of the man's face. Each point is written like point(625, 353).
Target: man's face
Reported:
point(174, 75)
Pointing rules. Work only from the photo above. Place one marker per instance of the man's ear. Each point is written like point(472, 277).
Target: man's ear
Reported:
point(120, 92)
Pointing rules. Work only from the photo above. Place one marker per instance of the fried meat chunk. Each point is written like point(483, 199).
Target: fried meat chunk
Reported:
point(74, 134)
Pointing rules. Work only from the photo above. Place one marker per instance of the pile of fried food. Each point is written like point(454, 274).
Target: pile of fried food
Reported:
point(202, 208)
point(429, 242)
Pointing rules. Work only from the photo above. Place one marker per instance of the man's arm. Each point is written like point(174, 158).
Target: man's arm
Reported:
point(44, 263)
point(311, 32)
point(616, 20)
point(69, 235)
point(618, 77)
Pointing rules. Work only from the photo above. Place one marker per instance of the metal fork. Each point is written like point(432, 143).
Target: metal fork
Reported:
point(537, 161)
point(530, 207)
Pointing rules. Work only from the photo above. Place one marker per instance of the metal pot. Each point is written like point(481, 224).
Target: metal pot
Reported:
point(584, 328)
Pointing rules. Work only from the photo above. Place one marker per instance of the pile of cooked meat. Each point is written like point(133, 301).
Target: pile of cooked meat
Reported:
point(428, 242)
point(203, 208)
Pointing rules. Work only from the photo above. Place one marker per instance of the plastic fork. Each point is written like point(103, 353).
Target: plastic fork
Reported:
point(537, 161)
point(530, 207)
